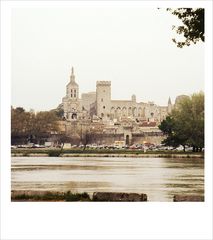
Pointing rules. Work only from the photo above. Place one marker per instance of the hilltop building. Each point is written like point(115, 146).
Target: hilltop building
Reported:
point(99, 106)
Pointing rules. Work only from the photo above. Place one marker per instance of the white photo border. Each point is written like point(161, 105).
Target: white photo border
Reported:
point(102, 220)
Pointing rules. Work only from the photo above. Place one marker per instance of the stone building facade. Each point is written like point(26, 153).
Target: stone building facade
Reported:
point(99, 105)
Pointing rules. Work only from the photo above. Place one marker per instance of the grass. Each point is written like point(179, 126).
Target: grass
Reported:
point(53, 196)
point(56, 152)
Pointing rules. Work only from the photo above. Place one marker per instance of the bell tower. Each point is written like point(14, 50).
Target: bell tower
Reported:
point(71, 102)
point(72, 87)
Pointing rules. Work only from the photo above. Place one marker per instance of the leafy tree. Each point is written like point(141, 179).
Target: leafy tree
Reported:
point(185, 125)
point(32, 126)
point(20, 122)
point(193, 25)
point(169, 127)
point(190, 120)
point(59, 112)
point(45, 122)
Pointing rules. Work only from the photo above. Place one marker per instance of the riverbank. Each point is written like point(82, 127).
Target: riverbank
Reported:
point(49, 196)
point(39, 196)
point(102, 153)
point(68, 196)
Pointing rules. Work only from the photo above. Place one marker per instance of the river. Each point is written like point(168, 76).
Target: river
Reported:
point(159, 178)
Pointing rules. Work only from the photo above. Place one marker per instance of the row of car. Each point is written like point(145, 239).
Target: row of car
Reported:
point(28, 146)
point(143, 147)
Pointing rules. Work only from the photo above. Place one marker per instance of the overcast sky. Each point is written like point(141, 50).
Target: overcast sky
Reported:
point(131, 47)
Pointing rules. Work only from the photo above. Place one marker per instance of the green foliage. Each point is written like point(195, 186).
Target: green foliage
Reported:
point(185, 125)
point(54, 153)
point(167, 125)
point(193, 25)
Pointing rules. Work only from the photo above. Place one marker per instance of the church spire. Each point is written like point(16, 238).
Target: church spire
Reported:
point(169, 108)
point(72, 76)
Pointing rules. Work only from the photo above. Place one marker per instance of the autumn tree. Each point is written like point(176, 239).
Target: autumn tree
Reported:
point(44, 123)
point(30, 126)
point(59, 112)
point(20, 123)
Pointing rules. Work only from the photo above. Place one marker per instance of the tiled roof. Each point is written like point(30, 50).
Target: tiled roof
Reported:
point(147, 124)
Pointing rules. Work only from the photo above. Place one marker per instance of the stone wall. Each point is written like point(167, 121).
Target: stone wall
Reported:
point(93, 133)
point(154, 138)
point(88, 99)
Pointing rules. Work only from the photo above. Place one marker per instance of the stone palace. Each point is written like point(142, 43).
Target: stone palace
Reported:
point(107, 120)
point(99, 105)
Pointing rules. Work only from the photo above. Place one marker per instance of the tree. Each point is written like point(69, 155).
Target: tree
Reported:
point(169, 127)
point(20, 123)
point(190, 120)
point(185, 125)
point(31, 126)
point(45, 123)
point(193, 25)
point(59, 112)
point(87, 137)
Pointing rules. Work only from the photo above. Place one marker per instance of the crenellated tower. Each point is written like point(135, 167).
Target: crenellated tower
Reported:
point(103, 98)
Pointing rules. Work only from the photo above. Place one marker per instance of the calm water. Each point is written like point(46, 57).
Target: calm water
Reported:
point(159, 178)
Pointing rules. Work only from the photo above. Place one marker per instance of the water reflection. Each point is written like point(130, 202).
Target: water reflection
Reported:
point(159, 178)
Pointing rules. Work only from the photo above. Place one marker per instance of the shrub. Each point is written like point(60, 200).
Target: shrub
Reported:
point(54, 153)
point(72, 197)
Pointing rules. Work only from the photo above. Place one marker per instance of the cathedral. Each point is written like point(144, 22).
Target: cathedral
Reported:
point(99, 106)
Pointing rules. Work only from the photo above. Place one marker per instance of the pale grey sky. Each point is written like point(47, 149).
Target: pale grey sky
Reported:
point(131, 47)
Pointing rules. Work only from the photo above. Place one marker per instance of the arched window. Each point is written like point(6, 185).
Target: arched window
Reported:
point(139, 112)
point(124, 111)
point(74, 116)
point(112, 112)
point(127, 139)
point(118, 111)
point(134, 112)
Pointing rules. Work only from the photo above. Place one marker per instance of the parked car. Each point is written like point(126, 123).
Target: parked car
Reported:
point(189, 149)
